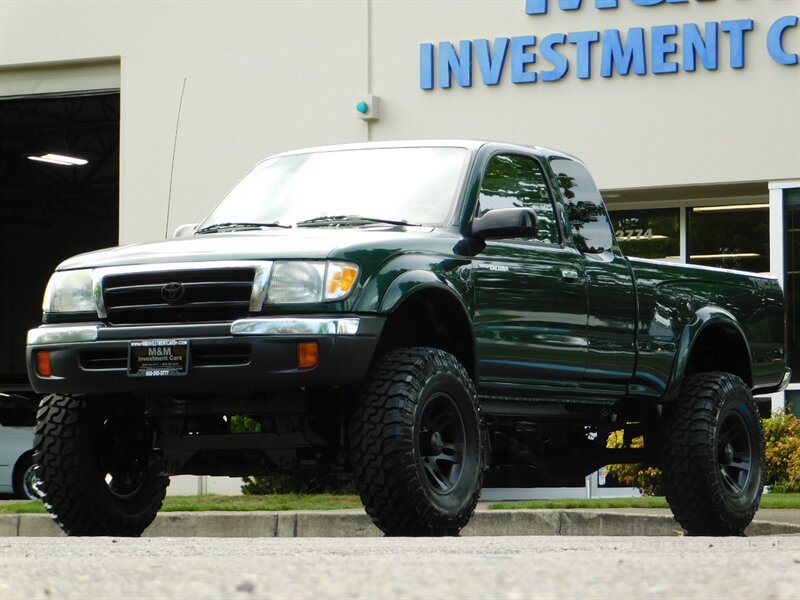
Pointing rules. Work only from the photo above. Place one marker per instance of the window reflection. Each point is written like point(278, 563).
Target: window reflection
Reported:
point(729, 237)
point(586, 211)
point(513, 180)
point(648, 233)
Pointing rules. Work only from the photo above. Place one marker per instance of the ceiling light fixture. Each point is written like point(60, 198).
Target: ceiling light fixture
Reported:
point(729, 207)
point(641, 238)
point(731, 255)
point(59, 159)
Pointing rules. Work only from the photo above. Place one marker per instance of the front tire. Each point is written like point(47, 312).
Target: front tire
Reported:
point(93, 467)
point(712, 455)
point(417, 444)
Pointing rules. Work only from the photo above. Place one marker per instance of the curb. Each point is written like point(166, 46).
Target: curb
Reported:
point(356, 523)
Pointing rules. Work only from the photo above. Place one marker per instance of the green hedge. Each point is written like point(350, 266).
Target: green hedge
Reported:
point(782, 451)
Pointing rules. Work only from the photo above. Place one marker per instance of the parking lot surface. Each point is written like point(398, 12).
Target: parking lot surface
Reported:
point(476, 567)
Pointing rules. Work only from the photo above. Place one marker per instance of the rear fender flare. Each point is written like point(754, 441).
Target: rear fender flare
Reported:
point(702, 319)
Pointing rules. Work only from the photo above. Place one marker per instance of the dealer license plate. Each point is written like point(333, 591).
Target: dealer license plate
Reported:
point(158, 358)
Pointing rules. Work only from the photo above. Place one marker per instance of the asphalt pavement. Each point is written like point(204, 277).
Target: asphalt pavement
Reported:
point(514, 568)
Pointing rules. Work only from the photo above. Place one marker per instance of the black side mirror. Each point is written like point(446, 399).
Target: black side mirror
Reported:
point(505, 223)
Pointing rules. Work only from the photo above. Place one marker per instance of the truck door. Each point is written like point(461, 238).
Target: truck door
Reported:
point(609, 284)
point(530, 299)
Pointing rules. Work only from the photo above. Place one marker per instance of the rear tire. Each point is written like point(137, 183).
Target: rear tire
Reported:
point(94, 472)
point(712, 455)
point(417, 444)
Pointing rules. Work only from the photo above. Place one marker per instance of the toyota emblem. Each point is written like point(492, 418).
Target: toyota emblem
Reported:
point(173, 292)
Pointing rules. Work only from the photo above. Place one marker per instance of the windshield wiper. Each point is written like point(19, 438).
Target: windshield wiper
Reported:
point(351, 218)
point(239, 226)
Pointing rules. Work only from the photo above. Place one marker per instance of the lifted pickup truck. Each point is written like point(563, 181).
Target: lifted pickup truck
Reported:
point(422, 314)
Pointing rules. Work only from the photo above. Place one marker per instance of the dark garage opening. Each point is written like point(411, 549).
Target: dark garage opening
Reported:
point(50, 211)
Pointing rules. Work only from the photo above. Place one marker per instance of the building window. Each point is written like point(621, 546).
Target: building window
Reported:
point(649, 233)
point(734, 236)
point(791, 254)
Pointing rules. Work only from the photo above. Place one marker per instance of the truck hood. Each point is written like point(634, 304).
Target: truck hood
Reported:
point(304, 243)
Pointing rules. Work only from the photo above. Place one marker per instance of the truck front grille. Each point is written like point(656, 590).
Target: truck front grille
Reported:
point(181, 296)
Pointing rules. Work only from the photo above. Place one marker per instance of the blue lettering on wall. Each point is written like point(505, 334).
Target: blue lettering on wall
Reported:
point(584, 40)
point(654, 2)
point(458, 63)
point(539, 7)
point(695, 45)
point(671, 48)
point(614, 55)
point(558, 60)
point(520, 58)
point(736, 29)
point(426, 66)
point(775, 41)
point(660, 48)
point(491, 61)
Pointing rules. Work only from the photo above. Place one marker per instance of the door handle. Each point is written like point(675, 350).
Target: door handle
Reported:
point(570, 276)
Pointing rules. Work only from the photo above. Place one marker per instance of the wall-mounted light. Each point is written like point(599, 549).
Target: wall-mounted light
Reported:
point(368, 107)
point(729, 207)
point(59, 159)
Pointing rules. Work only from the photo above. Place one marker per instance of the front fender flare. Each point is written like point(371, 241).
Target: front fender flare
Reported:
point(412, 282)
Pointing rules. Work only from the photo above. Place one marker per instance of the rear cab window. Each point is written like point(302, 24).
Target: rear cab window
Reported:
point(586, 211)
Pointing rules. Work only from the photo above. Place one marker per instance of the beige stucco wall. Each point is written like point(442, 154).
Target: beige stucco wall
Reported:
point(267, 76)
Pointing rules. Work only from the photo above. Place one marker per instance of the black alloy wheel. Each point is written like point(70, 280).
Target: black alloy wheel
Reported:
point(441, 443)
point(735, 454)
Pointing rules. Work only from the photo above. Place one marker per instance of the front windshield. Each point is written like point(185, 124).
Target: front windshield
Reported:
point(411, 185)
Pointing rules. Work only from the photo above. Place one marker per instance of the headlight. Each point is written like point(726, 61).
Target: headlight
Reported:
point(69, 291)
point(308, 282)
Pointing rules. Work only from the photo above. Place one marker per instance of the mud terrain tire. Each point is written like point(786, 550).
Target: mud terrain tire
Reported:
point(712, 455)
point(86, 486)
point(417, 444)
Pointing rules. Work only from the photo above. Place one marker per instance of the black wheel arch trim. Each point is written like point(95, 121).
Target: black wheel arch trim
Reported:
point(708, 316)
point(411, 283)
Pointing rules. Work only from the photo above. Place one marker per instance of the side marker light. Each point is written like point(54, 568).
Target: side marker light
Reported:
point(43, 366)
point(307, 355)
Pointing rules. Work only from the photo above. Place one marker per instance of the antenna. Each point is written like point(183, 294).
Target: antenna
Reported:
point(172, 168)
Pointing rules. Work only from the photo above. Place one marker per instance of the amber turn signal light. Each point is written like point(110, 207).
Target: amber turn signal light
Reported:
point(43, 366)
point(307, 354)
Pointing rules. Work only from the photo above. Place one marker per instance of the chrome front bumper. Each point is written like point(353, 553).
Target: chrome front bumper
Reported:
point(283, 326)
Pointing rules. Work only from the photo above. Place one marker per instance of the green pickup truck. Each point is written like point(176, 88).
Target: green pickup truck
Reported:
point(422, 314)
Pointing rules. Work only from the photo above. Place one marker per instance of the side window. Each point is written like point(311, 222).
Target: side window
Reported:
point(514, 180)
point(587, 215)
